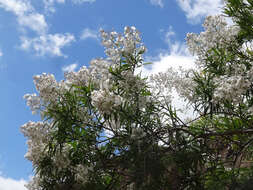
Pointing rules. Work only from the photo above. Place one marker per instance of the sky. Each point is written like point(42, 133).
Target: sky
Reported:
point(57, 36)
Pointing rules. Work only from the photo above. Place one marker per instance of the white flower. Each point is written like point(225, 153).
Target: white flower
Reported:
point(105, 101)
point(117, 45)
point(38, 136)
point(33, 101)
point(216, 34)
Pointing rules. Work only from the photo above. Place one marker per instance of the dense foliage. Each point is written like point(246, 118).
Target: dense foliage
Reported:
point(108, 127)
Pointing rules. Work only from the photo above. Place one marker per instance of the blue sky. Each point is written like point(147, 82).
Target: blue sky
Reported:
point(56, 36)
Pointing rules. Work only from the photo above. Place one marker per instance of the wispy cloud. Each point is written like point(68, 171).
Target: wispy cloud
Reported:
point(83, 1)
point(88, 33)
point(70, 68)
point(26, 14)
point(175, 47)
point(157, 3)
point(168, 34)
point(49, 4)
point(195, 10)
point(2, 66)
point(12, 184)
point(51, 44)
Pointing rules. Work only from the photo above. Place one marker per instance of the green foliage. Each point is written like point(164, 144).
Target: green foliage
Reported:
point(241, 12)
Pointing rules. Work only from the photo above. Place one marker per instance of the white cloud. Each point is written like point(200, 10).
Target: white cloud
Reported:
point(51, 44)
point(178, 56)
point(88, 33)
point(12, 184)
point(18, 7)
point(1, 53)
point(197, 9)
point(70, 68)
point(157, 2)
point(34, 21)
point(26, 14)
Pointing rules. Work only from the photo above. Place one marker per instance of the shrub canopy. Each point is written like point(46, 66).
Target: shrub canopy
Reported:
point(107, 126)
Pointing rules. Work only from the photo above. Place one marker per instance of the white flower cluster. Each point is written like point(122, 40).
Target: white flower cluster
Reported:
point(49, 91)
point(81, 173)
point(231, 88)
point(234, 86)
point(184, 84)
point(164, 86)
point(46, 86)
point(38, 136)
point(104, 99)
point(161, 86)
point(117, 45)
point(132, 82)
point(33, 184)
point(217, 34)
point(137, 133)
point(132, 85)
point(33, 101)
point(236, 79)
point(78, 78)
point(98, 72)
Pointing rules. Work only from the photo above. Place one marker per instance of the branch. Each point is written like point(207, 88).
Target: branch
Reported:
point(227, 133)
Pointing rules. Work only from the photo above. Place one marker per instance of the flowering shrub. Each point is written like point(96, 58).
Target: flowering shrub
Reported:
point(108, 127)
